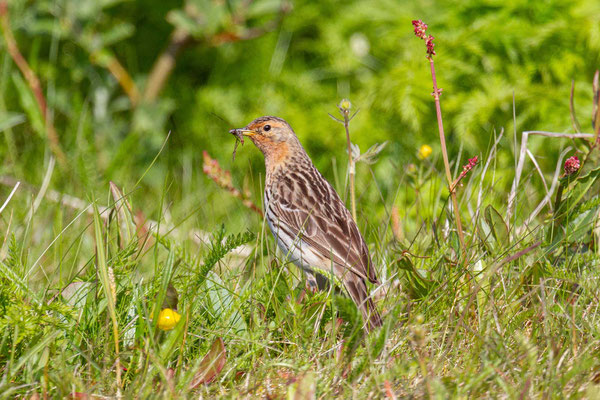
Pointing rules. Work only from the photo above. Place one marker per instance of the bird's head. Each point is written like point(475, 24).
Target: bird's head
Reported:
point(273, 136)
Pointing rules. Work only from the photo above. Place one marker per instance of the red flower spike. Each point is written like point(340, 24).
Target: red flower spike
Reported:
point(466, 168)
point(469, 166)
point(420, 32)
point(420, 28)
point(429, 43)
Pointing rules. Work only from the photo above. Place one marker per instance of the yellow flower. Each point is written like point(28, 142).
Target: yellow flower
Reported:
point(424, 152)
point(167, 319)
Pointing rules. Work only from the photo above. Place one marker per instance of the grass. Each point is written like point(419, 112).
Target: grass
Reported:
point(84, 274)
point(81, 290)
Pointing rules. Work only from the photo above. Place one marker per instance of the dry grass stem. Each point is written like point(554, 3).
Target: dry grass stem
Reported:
point(523, 154)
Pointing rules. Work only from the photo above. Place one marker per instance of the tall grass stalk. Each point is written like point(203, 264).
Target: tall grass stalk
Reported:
point(107, 279)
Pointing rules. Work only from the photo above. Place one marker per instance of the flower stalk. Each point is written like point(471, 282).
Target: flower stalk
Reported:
point(420, 32)
point(344, 108)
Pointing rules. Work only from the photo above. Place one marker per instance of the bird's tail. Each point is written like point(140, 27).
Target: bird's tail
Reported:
point(360, 295)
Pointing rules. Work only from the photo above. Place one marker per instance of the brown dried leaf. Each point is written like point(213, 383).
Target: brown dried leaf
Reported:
point(143, 230)
point(211, 365)
point(171, 298)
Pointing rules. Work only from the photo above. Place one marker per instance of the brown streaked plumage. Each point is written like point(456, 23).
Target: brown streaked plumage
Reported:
point(307, 217)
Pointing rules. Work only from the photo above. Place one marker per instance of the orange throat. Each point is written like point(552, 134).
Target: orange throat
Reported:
point(276, 156)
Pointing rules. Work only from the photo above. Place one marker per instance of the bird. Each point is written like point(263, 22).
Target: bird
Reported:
point(308, 219)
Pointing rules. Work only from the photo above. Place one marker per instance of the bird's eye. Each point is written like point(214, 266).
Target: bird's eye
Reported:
point(267, 128)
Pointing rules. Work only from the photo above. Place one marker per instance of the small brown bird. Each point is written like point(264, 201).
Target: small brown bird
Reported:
point(307, 217)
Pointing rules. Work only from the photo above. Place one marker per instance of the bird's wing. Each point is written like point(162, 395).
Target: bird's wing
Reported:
point(313, 211)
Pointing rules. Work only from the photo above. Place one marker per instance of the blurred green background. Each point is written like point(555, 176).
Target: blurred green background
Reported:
point(233, 61)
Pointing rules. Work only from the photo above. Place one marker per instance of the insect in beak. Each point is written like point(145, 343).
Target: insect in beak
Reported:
point(239, 138)
point(239, 133)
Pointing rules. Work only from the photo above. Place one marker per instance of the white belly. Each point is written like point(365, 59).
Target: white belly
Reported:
point(295, 249)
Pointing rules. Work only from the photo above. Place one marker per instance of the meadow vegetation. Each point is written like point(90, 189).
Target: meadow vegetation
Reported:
point(119, 198)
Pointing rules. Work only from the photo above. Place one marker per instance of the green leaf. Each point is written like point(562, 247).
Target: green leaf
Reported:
point(182, 20)
point(11, 276)
point(35, 346)
point(220, 248)
point(9, 120)
point(258, 9)
point(576, 190)
point(107, 277)
point(117, 33)
point(497, 225)
point(353, 331)
point(124, 211)
point(223, 304)
point(376, 346)
point(102, 266)
point(578, 228)
point(566, 218)
point(166, 275)
point(370, 156)
point(417, 284)
point(29, 104)
point(485, 234)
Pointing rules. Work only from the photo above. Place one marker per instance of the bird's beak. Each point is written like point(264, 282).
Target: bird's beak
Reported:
point(242, 131)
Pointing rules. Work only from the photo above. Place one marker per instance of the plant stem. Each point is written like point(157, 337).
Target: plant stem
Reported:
point(438, 110)
point(556, 218)
point(32, 81)
point(351, 164)
point(165, 63)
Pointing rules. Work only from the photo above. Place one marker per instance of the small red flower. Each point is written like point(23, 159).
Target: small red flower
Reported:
point(466, 168)
point(421, 32)
point(469, 166)
point(572, 165)
point(429, 43)
point(420, 28)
